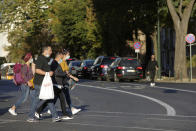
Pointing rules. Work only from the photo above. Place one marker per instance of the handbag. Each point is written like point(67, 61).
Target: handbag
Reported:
point(46, 91)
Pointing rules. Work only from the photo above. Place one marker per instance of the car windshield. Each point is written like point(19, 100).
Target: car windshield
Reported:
point(76, 64)
point(129, 62)
point(108, 61)
point(89, 63)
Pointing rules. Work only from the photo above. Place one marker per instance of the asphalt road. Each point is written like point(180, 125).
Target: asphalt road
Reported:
point(111, 106)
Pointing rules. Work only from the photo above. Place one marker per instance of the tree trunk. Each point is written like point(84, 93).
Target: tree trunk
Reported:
point(180, 55)
point(180, 20)
point(154, 39)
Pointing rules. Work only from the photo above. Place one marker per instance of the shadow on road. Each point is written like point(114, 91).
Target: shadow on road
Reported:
point(3, 111)
point(170, 91)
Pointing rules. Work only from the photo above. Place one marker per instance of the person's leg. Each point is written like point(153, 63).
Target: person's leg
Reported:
point(56, 94)
point(52, 109)
point(68, 97)
point(153, 77)
point(35, 101)
point(72, 109)
point(24, 96)
point(62, 102)
point(45, 104)
point(41, 107)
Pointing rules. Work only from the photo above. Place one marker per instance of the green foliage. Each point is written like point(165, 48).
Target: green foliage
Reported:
point(193, 61)
point(74, 27)
point(27, 24)
point(87, 28)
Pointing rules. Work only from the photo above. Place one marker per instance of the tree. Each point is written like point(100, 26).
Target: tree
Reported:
point(180, 12)
point(74, 27)
point(27, 25)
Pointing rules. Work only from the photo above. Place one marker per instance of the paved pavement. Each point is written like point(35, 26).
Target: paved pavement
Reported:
point(111, 106)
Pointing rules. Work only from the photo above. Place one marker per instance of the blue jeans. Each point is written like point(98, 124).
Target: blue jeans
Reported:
point(24, 96)
point(36, 102)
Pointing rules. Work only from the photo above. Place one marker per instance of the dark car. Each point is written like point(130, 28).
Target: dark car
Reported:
point(125, 68)
point(85, 68)
point(100, 66)
point(74, 67)
point(70, 60)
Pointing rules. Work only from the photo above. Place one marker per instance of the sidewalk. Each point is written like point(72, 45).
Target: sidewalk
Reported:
point(172, 80)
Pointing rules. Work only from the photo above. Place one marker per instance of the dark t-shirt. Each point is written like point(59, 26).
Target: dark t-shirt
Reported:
point(41, 63)
point(59, 76)
point(152, 65)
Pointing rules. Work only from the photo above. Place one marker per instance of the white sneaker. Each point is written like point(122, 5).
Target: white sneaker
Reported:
point(49, 112)
point(75, 111)
point(38, 116)
point(12, 112)
point(151, 84)
point(66, 118)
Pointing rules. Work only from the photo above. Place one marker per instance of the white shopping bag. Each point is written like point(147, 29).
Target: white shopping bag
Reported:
point(46, 91)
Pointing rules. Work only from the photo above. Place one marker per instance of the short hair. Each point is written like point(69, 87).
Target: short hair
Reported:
point(58, 53)
point(65, 52)
point(45, 48)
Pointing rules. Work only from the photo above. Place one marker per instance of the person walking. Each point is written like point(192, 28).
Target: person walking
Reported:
point(27, 75)
point(57, 79)
point(42, 67)
point(151, 69)
point(69, 83)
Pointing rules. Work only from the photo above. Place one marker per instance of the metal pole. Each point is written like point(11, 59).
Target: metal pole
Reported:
point(158, 45)
point(137, 55)
point(191, 75)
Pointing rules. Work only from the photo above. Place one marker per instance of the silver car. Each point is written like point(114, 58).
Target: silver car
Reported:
point(74, 67)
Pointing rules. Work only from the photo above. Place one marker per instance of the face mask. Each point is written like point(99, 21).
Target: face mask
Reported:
point(31, 61)
point(60, 61)
point(47, 55)
point(67, 57)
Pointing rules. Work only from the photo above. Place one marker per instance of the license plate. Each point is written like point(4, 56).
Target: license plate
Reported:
point(130, 70)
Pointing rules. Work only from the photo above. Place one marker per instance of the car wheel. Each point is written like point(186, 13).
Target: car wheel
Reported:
point(116, 79)
point(131, 80)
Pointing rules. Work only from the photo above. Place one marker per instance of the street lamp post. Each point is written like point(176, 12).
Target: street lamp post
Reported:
point(158, 45)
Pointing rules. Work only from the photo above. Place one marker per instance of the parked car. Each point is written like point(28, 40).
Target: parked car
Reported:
point(124, 68)
point(69, 60)
point(85, 68)
point(100, 66)
point(74, 67)
point(7, 71)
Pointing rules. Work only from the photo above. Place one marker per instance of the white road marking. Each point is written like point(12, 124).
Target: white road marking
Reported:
point(135, 87)
point(170, 120)
point(97, 125)
point(190, 91)
point(170, 110)
point(160, 119)
point(140, 114)
point(112, 87)
point(175, 89)
point(4, 120)
point(124, 127)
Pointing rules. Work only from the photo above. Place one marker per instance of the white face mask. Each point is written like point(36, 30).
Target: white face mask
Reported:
point(67, 57)
point(47, 55)
point(31, 61)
